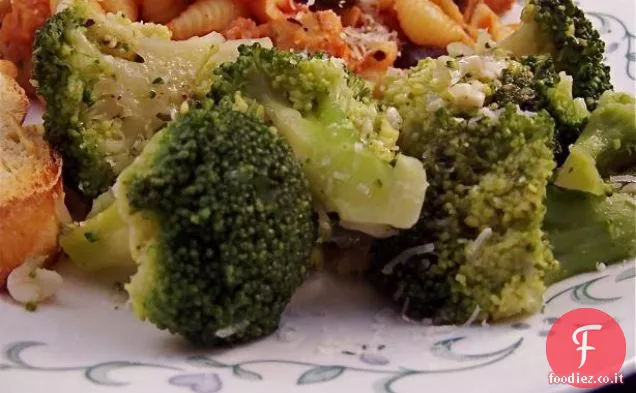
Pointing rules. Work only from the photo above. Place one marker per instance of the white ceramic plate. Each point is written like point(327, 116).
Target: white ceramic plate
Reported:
point(335, 336)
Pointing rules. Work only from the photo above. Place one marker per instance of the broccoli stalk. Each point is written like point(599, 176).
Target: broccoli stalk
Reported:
point(585, 229)
point(560, 29)
point(110, 84)
point(220, 223)
point(100, 242)
point(607, 146)
point(345, 144)
point(395, 189)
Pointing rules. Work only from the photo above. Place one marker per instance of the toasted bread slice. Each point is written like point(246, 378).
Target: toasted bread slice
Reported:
point(8, 68)
point(13, 99)
point(31, 195)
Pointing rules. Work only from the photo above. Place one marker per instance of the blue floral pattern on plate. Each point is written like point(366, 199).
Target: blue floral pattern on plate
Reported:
point(372, 361)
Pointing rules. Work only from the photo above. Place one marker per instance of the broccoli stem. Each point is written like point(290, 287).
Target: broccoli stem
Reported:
point(585, 229)
point(99, 242)
point(346, 176)
point(606, 146)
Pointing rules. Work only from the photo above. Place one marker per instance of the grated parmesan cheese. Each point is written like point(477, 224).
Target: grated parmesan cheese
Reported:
point(467, 95)
point(473, 317)
point(394, 118)
point(482, 67)
point(29, 283)
point(405, 310)
point(623, 179)
point(363, 189)
point(406, 254)
point(362, 39)
point(479, 241)
point(231, 330)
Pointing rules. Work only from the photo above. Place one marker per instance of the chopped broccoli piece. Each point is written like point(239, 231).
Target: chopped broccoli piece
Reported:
point(560, 29)
point(485, 127)
point(99, 242)
point(586, 229)
point(220, 221)
point(478, 246)
point(570, 114)
point(534, 84)
point(606, 147)
point(345, 143)
point(484, 84)
point(97, 73)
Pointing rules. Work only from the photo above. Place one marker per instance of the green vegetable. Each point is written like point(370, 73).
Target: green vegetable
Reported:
point(487, 127)
point(560, 29)
point(345, 143)
point(483, 84)
point(533, 83)
point(99, 75)
point(99, 242)
point(478, 249)
point(586, 229)
point(220, 221)
point(606, 147)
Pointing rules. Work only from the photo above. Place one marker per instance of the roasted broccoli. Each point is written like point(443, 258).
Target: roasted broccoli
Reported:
point(488, 81)
point(552, 91)
point(606, 147)
point(220, 221)
point(345, 143)
point(478, 249)
point(110, 84)
point(585, 229)
point(592, 218)
point(560, 29)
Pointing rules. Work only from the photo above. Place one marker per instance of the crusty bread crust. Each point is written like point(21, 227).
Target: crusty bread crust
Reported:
point(13, 99)
point(29, 226)
point(31, 190)
point(8, 68)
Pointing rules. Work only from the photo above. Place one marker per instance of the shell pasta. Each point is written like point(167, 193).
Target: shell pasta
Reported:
point(206, 16)
point(161, 11)
point(371, 36)
point(425, 23)
point(267, 10)
point(380, 56)
point(351, 16)
point(384, 5)
point(451, 9)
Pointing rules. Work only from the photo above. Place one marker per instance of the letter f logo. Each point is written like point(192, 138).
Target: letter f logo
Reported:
point(583, 344)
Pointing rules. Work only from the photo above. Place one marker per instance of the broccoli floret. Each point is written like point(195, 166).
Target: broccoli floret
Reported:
point(220, 221)
point(484, 84)
point(586, 229)
point(533, 83)
point(345, 143)
point(478, 249)
point(606, 147)
point(560, 29)
point(110, 84)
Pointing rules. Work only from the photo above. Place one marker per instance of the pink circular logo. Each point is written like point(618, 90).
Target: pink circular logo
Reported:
point(585, 348)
